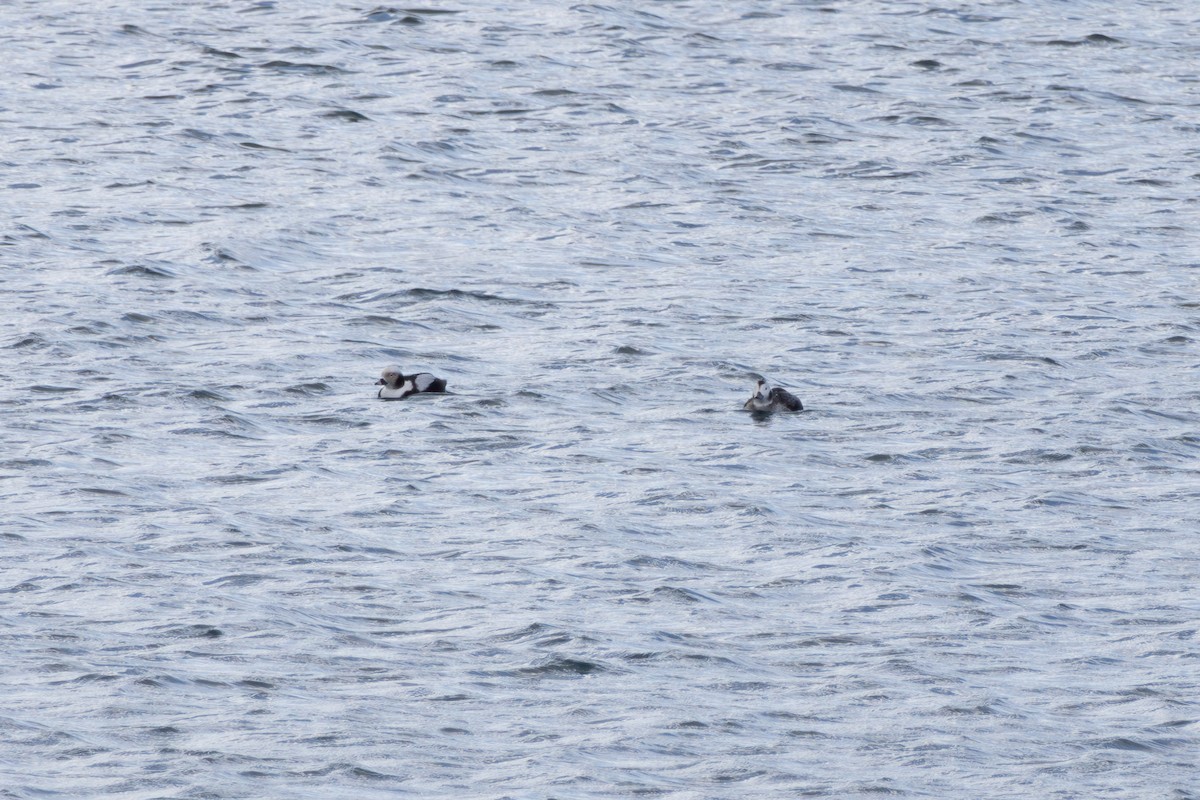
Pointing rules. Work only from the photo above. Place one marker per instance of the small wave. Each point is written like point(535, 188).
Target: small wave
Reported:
point(157, 271)
point(346, 115)
point(561, 666)
point(1092, 39)
point(419, 294)
point(309, 69)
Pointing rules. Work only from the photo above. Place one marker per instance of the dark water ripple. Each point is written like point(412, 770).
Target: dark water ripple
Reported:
point(964, 235)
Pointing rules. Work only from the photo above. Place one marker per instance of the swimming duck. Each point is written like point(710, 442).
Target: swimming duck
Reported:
point(767, 399)
point(397, 386)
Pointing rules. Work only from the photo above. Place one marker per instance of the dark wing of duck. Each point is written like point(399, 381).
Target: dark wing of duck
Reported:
point(786, 399)
point(425, 382)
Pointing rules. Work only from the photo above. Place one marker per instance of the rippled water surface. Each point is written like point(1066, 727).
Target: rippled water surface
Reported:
point(965, 234)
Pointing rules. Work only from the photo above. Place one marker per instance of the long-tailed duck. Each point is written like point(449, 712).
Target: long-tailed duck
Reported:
point(397, 386)
point(767, 399)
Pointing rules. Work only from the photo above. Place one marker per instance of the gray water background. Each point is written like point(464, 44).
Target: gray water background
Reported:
point(965, 234)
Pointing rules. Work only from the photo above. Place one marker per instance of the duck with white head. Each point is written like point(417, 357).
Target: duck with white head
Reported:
point(768, 399)
point(397, 386)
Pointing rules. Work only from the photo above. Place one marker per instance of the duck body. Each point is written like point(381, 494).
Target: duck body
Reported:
point(397, 386)
point(770, 399)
